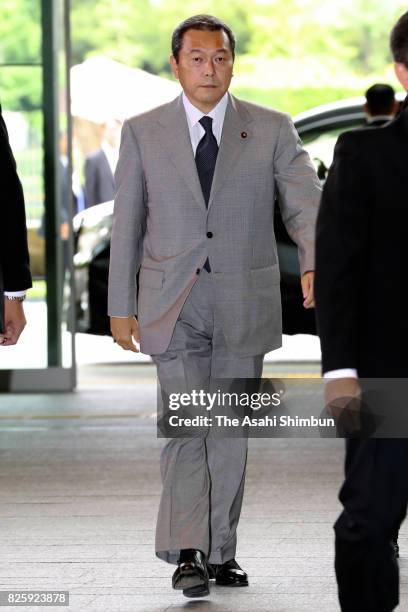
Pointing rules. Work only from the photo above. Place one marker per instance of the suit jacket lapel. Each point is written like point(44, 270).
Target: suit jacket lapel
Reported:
point(175, 139)
point(235, 136)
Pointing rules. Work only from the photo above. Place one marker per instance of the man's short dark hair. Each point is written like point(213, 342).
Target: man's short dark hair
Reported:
point(380, 99)
point(399, 40)
point(200, 22)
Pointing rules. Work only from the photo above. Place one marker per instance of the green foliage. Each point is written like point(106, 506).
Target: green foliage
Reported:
point(346, 36)
point(20, 32)
point(20, 43)
point(350, 36)
point(291, 54)
point(364, 29)
point(20, 88)
point(139, 33)
point(294, 101)
point(108, 27)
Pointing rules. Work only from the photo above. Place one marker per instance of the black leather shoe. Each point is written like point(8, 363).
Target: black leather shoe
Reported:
point(191, 576)
point(211, 570)
point(202, 590)
point(228, 574)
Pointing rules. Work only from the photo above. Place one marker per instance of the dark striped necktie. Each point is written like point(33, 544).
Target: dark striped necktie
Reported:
point(206, 157)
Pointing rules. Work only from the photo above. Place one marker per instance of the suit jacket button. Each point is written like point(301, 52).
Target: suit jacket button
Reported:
point(209, 234)
point(198, 271)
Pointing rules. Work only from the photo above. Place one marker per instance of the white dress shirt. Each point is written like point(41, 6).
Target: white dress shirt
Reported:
point(373, 118)
point(112, 155)
point(343, 373)
point(194, 115)
point(14, 293)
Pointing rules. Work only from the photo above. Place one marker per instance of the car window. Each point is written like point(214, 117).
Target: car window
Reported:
point(320, 146)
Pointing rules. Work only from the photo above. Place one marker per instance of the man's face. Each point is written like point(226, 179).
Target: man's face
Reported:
point(204, 67)
point(401, 70)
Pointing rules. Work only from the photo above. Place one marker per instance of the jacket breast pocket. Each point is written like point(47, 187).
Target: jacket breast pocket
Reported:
point(153, 279)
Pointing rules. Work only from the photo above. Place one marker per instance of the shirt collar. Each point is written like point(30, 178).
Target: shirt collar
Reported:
point(194, 114)
point(107, 148)
point(373, 119)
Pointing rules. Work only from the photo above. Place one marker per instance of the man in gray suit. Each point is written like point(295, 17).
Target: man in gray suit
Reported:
point(194, 208)
point(101, 165)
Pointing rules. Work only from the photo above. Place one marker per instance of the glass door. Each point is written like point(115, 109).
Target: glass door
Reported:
point(34, 93)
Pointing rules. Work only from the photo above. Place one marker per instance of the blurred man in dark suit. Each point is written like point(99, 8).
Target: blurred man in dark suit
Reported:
point(15, 277)
point(101, 165)
point(381, 105)
point(362, 322)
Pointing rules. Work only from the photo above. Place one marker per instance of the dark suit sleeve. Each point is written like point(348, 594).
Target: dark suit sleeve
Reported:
point(341, 243)
point(65, 190)
point(299, 192)
point(14, 257)
point(91, 183)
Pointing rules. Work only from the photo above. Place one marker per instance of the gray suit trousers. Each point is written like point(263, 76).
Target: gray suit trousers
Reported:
point(203, 476)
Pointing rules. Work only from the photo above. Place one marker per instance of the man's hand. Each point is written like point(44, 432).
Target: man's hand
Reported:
point(343, 402)
point(307, 289)
point(125, 331)
point(14, 321)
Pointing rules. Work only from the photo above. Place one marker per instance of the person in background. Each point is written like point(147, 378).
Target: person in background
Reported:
point(362, 323)
point(381, 105)
point(101, 165)
point(15, 276)
point(66, 192)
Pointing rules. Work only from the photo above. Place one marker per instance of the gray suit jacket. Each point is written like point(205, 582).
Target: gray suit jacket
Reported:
point(99, 181)
point(161, 222)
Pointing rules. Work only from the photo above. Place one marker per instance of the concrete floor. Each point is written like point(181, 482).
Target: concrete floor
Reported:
point(79, 483)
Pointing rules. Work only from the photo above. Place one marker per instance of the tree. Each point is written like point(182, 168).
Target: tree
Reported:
point(364, 29)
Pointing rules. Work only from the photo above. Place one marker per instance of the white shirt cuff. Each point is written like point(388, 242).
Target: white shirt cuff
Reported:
point(343, 373)
point(15, 293)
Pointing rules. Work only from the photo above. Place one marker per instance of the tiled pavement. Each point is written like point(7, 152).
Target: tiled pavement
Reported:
point(79, 490)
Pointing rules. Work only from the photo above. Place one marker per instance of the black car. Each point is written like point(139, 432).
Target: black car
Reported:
point(319, 129)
